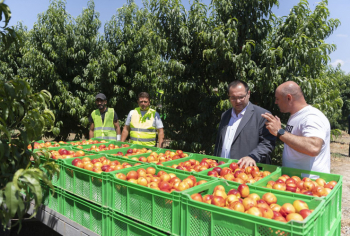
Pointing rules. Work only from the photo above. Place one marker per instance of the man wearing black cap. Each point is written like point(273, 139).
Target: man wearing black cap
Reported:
point(104, 121)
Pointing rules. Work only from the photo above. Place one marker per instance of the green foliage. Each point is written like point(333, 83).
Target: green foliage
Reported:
point(24, 117)
point(136, 49)
point(189, 55)
point(7, 34)
point(343, 82)
point(239, 40)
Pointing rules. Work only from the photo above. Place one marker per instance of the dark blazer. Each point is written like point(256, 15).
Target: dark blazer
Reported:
point(251, 138)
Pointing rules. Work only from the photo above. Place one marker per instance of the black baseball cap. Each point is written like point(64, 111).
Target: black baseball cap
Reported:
point(101, 96)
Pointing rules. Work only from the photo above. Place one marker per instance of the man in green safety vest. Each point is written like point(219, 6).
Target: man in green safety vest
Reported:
point(104, 121)
point(143, 123)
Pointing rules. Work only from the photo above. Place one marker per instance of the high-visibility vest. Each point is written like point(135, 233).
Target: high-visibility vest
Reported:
point(142, 130)
point(107, 129)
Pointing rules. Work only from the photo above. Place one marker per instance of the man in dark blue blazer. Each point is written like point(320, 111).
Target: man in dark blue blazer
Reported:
point(242, 132)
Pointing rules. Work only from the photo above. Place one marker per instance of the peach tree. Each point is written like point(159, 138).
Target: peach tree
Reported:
point(210, 46)
point(24, 117)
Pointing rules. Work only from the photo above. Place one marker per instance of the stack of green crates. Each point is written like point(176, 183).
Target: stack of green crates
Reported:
point(109, 206)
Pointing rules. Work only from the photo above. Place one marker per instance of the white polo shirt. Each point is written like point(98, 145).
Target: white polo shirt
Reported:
point(231, 132)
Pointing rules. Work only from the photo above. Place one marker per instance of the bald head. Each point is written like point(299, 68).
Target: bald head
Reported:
point(289, 97)
point(292, 88)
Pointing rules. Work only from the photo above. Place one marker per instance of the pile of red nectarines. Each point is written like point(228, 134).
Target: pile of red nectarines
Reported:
point(132, 152)
point(250, 174)
point(64, 153)
point(102, 147)
point(163, 181)
point(158, 158)
point(242, 200)
point(87, 142)
point(317, 188)
point(101, 164)
point(45, 145)
point(194, 165)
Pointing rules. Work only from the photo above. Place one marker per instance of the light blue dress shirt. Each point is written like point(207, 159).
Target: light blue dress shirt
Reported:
point(231, 131)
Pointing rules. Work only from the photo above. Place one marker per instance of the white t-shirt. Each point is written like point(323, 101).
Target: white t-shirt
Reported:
point(308, 122)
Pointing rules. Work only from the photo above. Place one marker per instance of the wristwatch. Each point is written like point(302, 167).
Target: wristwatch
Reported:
point(280, 132)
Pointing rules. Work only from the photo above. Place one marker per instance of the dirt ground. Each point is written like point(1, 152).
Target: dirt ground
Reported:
point(340, 164)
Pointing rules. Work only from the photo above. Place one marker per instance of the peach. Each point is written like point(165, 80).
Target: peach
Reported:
point(300, 205)
point(254, 211)
point(221, 193)
point(269, 198)
point(197, 197)
point(207, 198)
point(255, 196)
point(275, 207)
point(218, 201)
point(286, 209)
point(294, 216)
point(230, 199)
point(266, 212)
point(243, 189)
point(249, 203)
point(280, 218)
point(305, 213)
point(321, 182)
point(237, 206)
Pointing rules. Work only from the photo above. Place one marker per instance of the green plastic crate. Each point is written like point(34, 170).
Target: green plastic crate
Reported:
point(336, 228)
point(121, 225)
point(198, 218)
point(87, 184)
point(149, 206)
point(197, 157)
point(263, 167)
point(91, 216)
point(332, 200)
point(55, 178)
point(52, 198)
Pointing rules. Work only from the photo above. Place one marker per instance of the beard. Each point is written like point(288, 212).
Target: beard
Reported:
point(101, 106)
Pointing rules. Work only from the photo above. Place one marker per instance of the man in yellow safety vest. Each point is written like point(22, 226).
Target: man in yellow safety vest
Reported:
point(104, 121)
point(143, 124)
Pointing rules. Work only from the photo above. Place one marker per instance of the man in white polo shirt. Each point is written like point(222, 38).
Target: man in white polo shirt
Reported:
point(307, 140)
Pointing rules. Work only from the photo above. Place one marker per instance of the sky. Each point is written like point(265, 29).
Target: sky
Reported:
point(27, 12)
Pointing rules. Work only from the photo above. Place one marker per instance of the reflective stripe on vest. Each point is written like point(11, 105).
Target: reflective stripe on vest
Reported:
point(104, 128)
point(107, 129)
point(143, 132)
